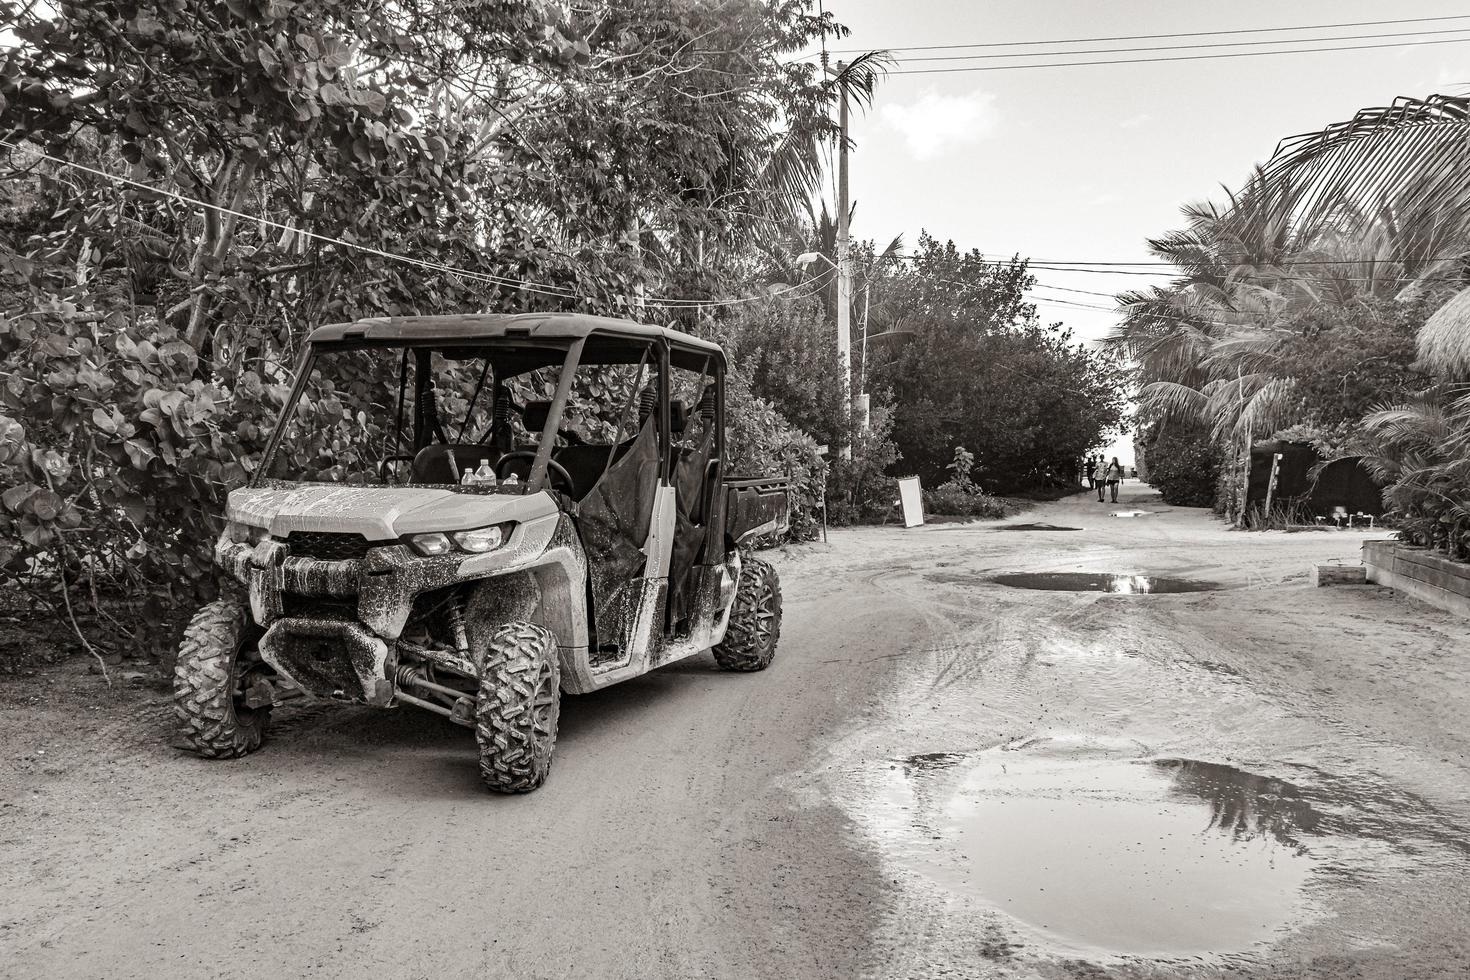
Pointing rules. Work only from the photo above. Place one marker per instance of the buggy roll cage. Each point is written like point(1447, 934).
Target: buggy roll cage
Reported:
point(669, 351)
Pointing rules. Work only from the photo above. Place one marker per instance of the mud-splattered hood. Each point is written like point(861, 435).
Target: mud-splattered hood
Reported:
point(378, 513)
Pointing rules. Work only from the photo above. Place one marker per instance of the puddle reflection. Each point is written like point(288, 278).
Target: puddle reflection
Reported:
point(1116, 583)
point(1105, 854)
point(1245, 805)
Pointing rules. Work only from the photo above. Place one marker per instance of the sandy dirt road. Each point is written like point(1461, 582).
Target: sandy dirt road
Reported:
point(935, 778)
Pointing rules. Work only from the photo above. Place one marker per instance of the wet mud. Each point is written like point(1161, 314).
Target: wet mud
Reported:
point(1035, 527)
point(1102, 783)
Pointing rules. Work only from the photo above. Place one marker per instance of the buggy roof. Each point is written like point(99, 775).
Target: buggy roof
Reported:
point(485, 326)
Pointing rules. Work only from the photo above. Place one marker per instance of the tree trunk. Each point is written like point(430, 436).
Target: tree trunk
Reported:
point(231, 186)
point(1245, 480)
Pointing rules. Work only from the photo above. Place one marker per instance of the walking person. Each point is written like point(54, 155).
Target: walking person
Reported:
point(1098, 478)
point(1114, 476)
point(1089, 470)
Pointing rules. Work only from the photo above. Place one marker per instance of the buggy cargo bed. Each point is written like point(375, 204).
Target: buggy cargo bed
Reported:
point(756, 506)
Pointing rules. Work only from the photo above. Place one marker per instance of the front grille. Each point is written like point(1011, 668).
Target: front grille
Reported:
point(327, 546)
point(317, 608)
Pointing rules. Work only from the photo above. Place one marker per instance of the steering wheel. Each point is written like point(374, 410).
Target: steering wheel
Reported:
point(388, 461)
point(556, 469)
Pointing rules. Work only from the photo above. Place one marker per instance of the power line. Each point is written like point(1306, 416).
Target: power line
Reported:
point(1225, 258)
point(1172, 271)
point(1272, 278)
point(1181, 47)
point(1068, 289)
point(543, 289)
point(1156, 37)
point(1185, 57)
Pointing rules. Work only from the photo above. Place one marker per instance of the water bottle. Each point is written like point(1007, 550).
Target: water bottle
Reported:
point(511, 481)
point(485, 476)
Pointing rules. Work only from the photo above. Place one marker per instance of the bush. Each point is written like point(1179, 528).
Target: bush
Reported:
point(116, 459)
point(953, 500)
point(1183, 464)
point(760, 441)
point(787, 353)
point(860, 490)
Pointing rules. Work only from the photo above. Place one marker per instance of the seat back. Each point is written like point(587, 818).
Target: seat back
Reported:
point(534, 416)
point(584, 464)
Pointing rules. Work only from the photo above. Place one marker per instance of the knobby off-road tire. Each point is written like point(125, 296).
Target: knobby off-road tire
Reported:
point(518, 706)
point(217, 649)
point(755, 622)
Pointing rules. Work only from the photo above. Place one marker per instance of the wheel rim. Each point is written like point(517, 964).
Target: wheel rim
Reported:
point(765, 617)
point(242, 671)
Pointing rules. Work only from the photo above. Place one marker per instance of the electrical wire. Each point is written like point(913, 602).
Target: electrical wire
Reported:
point(1068, 289)
point(1180, 47)
point(994, 258)
point(1156, 37)
point(1185, 57)
point(1172, 271)
point(473, 275)
point(1177, 274)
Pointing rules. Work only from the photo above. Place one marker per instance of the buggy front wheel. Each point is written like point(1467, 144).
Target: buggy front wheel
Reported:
point(518, 706)
point(216, 660)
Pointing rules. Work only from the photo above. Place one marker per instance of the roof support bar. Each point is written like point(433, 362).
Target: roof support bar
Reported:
point(553, 417)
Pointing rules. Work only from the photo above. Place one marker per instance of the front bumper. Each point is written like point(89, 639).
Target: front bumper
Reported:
point(340, 642)
point(327, 657)
point(384, 583)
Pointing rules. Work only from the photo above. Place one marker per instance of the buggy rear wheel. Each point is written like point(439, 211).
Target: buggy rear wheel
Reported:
point(518, 706)
point(755, 622)
point(215, 659)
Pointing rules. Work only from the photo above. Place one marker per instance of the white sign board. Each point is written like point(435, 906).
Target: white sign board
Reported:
point(911, 498)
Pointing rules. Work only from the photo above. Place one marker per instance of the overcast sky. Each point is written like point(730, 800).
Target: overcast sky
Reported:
point(1084, 163)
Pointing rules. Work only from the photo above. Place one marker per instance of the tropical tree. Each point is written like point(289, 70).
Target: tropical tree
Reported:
point(969, 364)
point(1310, 255)
point(194, 184)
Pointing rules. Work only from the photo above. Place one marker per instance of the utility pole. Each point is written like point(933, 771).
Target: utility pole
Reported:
point(844, 273)
point(862, 395)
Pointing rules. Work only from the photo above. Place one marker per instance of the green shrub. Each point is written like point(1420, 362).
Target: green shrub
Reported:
point(1183, 464)
point(116, 459)
point(860, 490)
point(954, 500)
point(761, 441)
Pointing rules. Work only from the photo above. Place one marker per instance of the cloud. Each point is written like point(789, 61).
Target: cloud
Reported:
point(1133, 122)
point(936, 122)
point(1102, 200)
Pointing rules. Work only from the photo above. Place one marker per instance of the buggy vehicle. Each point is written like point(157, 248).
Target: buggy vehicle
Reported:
point(378, 564)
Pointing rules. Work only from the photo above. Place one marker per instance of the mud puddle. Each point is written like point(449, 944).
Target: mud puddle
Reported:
point(1117, 584)
point(1035, 527)
point(1097, 852)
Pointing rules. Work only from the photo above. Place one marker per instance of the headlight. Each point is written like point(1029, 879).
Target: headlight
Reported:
point(238, 532)
point(430, 544)
point(476, 541)
point(481, 539)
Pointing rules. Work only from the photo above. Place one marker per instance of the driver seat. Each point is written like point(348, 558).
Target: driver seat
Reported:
point(431, 464)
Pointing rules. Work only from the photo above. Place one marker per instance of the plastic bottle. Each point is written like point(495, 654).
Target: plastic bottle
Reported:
point(467, 477)
point(511, 481)
point(485, 476)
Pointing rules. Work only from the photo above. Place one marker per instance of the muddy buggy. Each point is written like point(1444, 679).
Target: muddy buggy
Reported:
point(375, 565)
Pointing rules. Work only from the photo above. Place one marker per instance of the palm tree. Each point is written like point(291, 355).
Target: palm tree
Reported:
point(1307, 230)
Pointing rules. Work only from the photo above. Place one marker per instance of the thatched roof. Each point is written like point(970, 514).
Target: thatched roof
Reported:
point(1444, 340)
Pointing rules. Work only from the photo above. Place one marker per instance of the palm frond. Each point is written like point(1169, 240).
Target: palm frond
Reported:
point(1167, 399)
point(1412, 151)
point(1444, 340)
